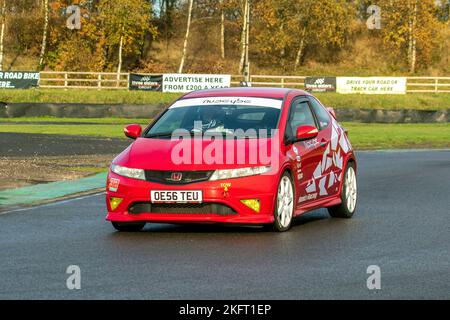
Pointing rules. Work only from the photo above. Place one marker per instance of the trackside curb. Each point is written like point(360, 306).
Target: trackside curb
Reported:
point(53, 190)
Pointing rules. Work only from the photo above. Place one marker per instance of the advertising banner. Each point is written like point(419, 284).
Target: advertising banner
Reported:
point(19, 80)
point(371, 85)
point(145, 82)
point(320, 84)
point(191, 82)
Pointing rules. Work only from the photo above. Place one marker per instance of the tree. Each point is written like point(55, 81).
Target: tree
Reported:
point(2, 32)
point(411, 29)
point(222, 30)
point(44, 35)
point(287, 28)
point(125, 24)
point(443, 11)
point(186, 37)
point(243, 64)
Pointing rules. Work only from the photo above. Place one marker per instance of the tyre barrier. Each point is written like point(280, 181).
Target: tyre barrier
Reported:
point(71, 110)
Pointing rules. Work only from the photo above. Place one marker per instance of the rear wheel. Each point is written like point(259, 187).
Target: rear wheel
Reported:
point(128, 226)
point(349, 195)
point(284, 205)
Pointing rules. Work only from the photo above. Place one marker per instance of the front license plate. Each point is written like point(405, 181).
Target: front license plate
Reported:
point(178, 196)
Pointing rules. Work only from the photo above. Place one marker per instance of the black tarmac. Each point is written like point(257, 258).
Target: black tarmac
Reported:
point(401, 225)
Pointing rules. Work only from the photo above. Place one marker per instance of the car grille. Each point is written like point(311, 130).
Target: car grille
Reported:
point(177, 177)
point(181, 208)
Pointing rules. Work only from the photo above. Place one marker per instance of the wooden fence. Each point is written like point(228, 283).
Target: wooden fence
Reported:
point(114, 81)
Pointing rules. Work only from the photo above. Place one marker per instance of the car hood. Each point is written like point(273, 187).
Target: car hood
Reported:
point(167, 154)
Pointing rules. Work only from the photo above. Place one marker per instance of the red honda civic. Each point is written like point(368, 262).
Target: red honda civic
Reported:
point(248, 156)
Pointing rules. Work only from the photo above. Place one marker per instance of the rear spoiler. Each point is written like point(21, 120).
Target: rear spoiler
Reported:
point(332, 112)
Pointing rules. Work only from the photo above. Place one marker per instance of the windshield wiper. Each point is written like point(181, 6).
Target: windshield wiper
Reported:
point(169, 134)
point(159, 135)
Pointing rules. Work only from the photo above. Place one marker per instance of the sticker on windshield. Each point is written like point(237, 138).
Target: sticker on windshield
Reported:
point(227, 101)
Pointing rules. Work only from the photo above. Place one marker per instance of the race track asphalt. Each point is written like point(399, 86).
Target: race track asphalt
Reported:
point(31, 144)
point(402, 225)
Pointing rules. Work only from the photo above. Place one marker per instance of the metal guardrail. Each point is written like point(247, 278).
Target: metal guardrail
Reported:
point(111, 80)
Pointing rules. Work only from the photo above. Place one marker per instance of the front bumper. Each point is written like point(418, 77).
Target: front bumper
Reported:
point(225, 192)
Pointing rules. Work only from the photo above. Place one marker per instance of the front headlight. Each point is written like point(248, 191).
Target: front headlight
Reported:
point(128, 172)
point(238, 173)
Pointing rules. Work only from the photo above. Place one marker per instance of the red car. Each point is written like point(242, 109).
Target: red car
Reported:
point(248, 156)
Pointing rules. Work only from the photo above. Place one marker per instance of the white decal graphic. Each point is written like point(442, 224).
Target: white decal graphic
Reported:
point(332, 180)
point(343, 143)
point(318, 172)
point(307, 197)
point(323, 191)
point(311, 144)
point(329, 162)
point(337, 160)
point(311, 186)
point(334, 137)
point(226, 101)
point(332, 159)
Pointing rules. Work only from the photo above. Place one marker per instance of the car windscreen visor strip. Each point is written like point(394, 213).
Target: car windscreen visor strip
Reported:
point(221, 101)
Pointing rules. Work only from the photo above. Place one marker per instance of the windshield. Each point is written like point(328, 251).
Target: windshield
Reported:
point(256, 116)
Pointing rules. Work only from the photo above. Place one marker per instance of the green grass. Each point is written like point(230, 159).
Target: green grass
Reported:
point(364, 136)
point(402, 136)
point(102, 130)
point(422, 101)
point(86, 96)
point(121, 121)
point(430, 101)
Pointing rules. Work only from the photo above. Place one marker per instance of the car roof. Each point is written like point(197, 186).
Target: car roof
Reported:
point(257, 92)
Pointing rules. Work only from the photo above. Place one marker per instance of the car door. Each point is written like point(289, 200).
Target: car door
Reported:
point(305, 155)
point(327, 172)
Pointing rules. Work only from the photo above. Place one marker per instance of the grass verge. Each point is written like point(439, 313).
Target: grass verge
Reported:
point(88, 96)
point(427, 101)
point(364, 136)
point(419, 101)
point(46, 120)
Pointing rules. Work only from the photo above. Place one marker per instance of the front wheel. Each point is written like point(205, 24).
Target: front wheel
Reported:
point(128, 226)
point(349, 195)
point(284, 205)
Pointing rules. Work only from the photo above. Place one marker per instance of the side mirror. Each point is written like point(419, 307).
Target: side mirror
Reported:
point(133, 131)
point(306, 133)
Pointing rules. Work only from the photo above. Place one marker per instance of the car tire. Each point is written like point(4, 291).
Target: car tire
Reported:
point(128, 226)
point(349, 194)
point(284, 204)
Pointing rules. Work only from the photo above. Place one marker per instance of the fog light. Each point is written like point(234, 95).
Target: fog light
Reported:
point(114, 202)
point(252, 204)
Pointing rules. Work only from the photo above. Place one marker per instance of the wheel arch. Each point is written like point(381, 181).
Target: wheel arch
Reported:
point(349, 159)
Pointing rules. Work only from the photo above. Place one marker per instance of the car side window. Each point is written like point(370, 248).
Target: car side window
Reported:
point(300, 115)
point(321, 113)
